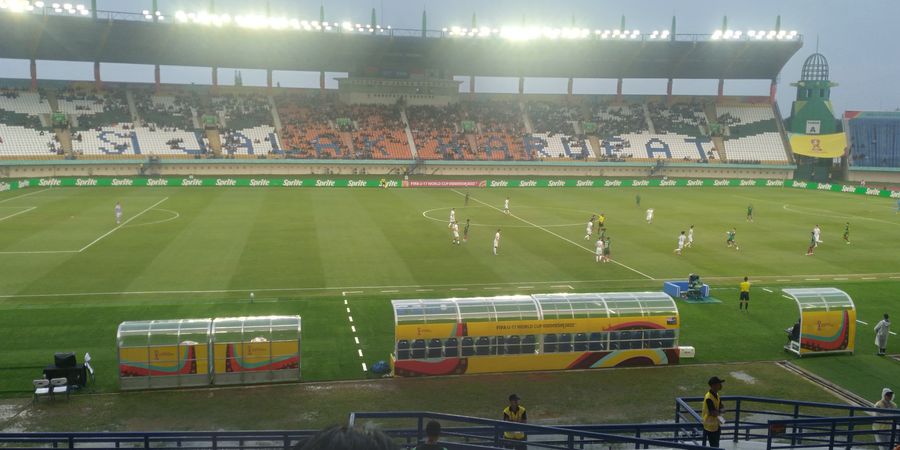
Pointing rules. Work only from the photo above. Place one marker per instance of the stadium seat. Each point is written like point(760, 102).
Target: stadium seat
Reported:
point(483, 346)
point(565, 343)
point(529, 344)
point(59, 386)
point(514, 345)
point(403, 349)
point(451, 348)
point(418, 349)
point(435, 348)
point(468, 346)
point(581, 342)
point(550, 343)
point(597, 342)
point(498, 345)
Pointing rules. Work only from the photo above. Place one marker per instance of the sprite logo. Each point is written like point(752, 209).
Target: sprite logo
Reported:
point(50, 182)
point(292, 183)
point(122, 182)
point(640, 183)
point(499, 183)
point(528, 183)
point(720, 183)
point(5, 187)
point(665, 183)
point(774, 183)
point(895, 194)
point(873, 191)
point(584, 183)
point(748, 183)
point(695, 183)
point(226, 182)
point(189, 182)
point(259, 183)
point(325, 183)
point(160, 182)
point(800, 184)
point(356, 183)
point(24, 184)
point(824, 186)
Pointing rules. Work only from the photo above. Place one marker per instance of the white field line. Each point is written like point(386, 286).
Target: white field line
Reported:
point(589, 250)
point(860, 321)
point(121, 225)
point(24, 195)
point(16, 214)
point(767, 290)
point(869, 278)
point(39, 252)
point(892, 333)
point(789, 298)
point(157, 222)
point(353, 327)
point(342, 289)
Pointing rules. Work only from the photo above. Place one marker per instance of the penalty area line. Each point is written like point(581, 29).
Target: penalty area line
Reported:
point(121, 225)
point(555, 234)
point(24, 195)
point(32, 208)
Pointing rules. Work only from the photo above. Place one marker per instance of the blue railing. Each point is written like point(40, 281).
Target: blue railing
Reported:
point(784, 424)
point(284, 440)
point(470, 432)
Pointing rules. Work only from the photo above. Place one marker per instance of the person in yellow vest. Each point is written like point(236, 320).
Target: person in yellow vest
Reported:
point(515, 413)
point(745, 295)
point(712, 413)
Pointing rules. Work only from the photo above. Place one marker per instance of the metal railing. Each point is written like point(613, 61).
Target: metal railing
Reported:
point(471, 432)
point(786, 424)
point(274, 440)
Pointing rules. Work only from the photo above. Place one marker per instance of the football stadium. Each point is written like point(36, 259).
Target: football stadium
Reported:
point(385, 225)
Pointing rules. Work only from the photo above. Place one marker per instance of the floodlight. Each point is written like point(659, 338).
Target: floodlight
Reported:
point(56, 6)
point(717, 34)
point(444, 29)
point(347, 26)
point(58, 10)
point(39, 4)
point(751, 33)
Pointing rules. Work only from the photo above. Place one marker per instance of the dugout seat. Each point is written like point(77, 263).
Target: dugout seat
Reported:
point(529, 344)
point(451, 348)
point(483, 346)
point(499, 345)
point(403, 349)
point(550, 343)
point(565, 342)
point(418, 349)
point(468, 346)
point(581, 344)
point(435, 348)
point(514, 345)
point(597, 342)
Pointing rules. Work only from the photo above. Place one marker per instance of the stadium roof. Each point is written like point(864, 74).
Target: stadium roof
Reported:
point(32, 36)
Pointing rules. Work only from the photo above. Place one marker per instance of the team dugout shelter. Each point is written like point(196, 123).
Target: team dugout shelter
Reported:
point(534, 332)
point(827, 322)
point(201, 352)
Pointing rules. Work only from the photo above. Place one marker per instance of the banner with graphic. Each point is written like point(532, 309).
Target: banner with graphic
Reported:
point(819, 145)
point(828, 331)
point(10, 185)
point(163, 361)
point(256, 356)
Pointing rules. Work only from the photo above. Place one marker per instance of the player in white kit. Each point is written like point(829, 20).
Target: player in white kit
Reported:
point(118, 213)
point(681, 240)
point(817, 232)
point(589, 230)
point(455, 228)
point(650, 215)
point(452, 218)
point(496, 241)
point(690, 242)
point(506, 206)
point(598, 253)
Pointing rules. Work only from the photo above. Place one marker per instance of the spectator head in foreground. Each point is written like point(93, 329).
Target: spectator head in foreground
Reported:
point(344, 438)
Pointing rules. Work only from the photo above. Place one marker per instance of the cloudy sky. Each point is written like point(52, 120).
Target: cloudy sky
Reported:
point(857, 37)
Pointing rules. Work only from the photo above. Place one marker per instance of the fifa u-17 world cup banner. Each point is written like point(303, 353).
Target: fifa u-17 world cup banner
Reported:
point(819, 145)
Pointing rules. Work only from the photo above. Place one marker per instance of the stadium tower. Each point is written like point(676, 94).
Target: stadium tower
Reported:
point(812, 115)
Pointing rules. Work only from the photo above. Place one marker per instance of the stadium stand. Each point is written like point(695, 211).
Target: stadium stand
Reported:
point(875, 140)
point(499, 129)
point(306, 130)
point(679, 118)
point(436, 130)
point(751, 133)
point(175, 109)
point(129, 140)
point(379, 132)
point(21, 134)
point(554, 132)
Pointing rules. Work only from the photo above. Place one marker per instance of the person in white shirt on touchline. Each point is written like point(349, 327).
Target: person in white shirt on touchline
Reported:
point(496, 242)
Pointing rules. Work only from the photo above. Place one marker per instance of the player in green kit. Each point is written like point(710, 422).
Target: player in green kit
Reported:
point(750, 212)
point(606, 251)
point(847, 233)
point(730, 242)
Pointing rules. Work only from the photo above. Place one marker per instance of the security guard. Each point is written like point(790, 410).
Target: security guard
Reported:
point(515, 413)
point(712, 413)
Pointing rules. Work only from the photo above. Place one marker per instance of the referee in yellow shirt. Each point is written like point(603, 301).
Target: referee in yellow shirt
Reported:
point(745, 295)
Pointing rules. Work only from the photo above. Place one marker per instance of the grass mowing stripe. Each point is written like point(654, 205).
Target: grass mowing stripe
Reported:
point(555, 234)
point(18, 213)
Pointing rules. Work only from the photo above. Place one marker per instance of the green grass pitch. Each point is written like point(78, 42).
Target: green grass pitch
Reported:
point(69, 275)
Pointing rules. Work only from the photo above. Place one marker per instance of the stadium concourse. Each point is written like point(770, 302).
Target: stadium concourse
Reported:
point(130, 121)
